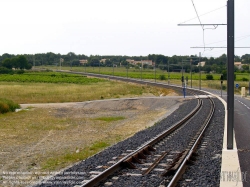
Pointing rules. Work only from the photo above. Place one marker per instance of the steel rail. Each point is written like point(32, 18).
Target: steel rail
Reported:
point(124, 161)
point(181, 169)
point(120, 164)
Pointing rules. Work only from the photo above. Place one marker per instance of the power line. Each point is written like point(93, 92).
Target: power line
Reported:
point(205, 14)
point(202, 26)
point(240, 38)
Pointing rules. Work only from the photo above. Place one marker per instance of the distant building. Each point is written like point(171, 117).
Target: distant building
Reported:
point(201, 64)
point(238, 65)
point(142, 62)
point(148, 62)
point(130, 61)
point(83, 61)
point(103, 60)
point(61, 60)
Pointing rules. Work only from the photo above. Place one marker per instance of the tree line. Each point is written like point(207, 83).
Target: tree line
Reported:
point(174, 63)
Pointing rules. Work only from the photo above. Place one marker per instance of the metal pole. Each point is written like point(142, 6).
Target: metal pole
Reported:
point(191, 71)
point(127, 70)
point(169, 76)
point(200, 70)
point(249, 82)
point(113, 70)
point(181, 67)
point(155, 73)
point(99, 66)
point(34, 61)
point(221, 89)
point(141, 70)
point(182, 73)
point(70, 62)
point(230, 73)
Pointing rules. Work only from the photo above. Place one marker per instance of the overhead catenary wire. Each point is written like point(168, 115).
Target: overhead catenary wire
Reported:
point(202, 26)
point(204, 14)
point(239, 39)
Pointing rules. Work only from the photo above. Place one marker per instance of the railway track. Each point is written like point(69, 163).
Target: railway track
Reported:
point(162, 160)
point(152, 154)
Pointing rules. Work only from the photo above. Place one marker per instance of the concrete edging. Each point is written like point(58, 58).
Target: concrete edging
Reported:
point(230, 166)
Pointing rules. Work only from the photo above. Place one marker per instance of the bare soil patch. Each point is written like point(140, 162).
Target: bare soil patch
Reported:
point(49, 137)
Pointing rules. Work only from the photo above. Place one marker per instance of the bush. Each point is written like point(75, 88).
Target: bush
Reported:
point(4, 70)
point(162, 77)
point(224, 72)
point(21, 71)
point(209, 77)
point(244, 79)
point(7, 106)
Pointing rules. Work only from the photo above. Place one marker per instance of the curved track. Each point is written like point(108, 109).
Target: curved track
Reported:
point(178, 165)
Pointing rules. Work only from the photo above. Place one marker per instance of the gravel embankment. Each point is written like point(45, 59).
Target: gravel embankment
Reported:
point(177, 142)
point(80, 171)
point(205, 171)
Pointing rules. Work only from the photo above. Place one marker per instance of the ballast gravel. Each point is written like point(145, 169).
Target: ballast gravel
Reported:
point(208, 159)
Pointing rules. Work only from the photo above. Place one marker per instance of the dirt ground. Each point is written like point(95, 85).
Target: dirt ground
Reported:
point(65, 128)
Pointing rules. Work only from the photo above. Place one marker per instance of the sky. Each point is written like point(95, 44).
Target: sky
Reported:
point(120, 27)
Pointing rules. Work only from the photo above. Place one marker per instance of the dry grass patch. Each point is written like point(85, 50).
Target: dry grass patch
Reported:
point(57, 93)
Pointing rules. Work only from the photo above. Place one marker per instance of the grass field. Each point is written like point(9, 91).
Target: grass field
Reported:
point(49, 87)
point(27, 92)
point(47, 139)
point(144, 73)
point(174, 77)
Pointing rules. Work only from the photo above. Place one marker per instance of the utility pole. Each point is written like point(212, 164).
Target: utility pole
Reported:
point(70, 62)
point(230, 68)
point(99, 66)
point(127, 70)
point(34, 61)
point(191, 71)
point(200, 70)
point(155, 72)
point(230, 73)
point(249, 82)
point(169, 76)
point(113, 69)
point(141, 69)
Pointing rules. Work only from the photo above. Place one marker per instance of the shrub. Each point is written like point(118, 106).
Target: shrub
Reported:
point(209, 77)
point(162, 77)
point(21, 71)
point(4, 70)
point(7, 106)
point(244, 79)
point(224, 72)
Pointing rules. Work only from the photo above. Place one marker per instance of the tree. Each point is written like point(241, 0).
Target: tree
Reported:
point(108, 63)
point(7, 63)
point(75, 62)
point(94, 62)
point(222, 60)
point(206, 68)
point(245, 67)
point(14, 62)
point(224, 73)
point(23, 62)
